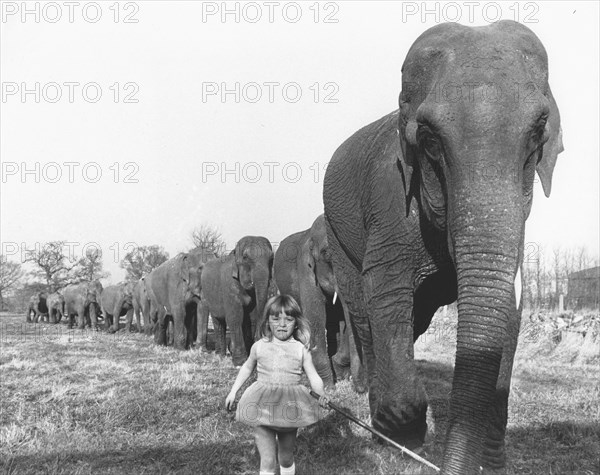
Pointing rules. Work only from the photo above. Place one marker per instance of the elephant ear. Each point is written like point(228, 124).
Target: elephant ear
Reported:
point(420, 71)
point(311, 256)
point(553, 146)
point(237, 261)
point(184, 269)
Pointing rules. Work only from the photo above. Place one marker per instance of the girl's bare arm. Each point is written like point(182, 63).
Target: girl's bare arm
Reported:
point(243, 375)
point(316, 383)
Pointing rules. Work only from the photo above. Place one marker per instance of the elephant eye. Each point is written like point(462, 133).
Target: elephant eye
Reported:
point(429, 144)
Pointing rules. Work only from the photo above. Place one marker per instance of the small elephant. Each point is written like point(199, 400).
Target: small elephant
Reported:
point(141, 304)
point(426, 206)
point(116, 301)
point(37, 306)
point(82, 300)
point(303, 269)
point(174, 291)
point(56, 307)
point(234, 292)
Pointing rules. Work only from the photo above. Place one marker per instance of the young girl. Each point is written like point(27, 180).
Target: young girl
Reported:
point(277, 404)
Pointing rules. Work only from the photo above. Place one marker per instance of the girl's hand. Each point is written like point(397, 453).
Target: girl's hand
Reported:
point(324, 401)
point(230, 400)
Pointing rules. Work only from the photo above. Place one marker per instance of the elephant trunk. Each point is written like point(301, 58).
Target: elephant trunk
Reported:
point(261, 290)
point(486, 242)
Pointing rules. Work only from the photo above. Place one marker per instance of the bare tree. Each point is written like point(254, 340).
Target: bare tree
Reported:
point(52, 264)
point(142, 260)
point(208, 240)
point(10, 274)
point(89, 267)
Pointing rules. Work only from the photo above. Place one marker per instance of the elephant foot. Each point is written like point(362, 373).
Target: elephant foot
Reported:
point(341, 371)
point(113, 330)
point(410, 435)
point(360, 386)
point(494, 455)
point(127, 328)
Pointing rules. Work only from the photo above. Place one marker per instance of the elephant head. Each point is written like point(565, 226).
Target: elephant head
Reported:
point(477, 119)
point(93, 293)
point(190, 271)
point(318, 257)
point(252, 268)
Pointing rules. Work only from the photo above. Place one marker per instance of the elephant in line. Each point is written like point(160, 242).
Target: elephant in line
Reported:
point(234, 292)
point(56, 307)
point(428, 205)
point(116, 301)
point(83, 300)
point(174, 292)
point(38, 306)
point(141, 304)
point(303, 269)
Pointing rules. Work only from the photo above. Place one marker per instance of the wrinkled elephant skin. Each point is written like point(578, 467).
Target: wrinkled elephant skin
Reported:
point(116, 301)
point(303, 269)
point(56, 307)
point(83, 301)
point(174, 292)
point(234, 292)
point(141, 304)
point(428, 205)
point(37, 306)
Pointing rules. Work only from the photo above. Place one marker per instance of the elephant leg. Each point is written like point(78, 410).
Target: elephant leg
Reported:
point(92, 318)
point(351, 348)
point(138, 320)
point(128, 320)
point(220, 337)
point(81, 318)
point(202, 319)
point(179, 328)
point(341, 359)
point(494, 456)
point(160, 327)
point(191, 323)
point(239, 325)
point(147, 316)
point(116, 316)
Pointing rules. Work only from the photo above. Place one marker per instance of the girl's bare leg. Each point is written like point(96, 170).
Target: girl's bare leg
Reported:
point(267, 448)
point(286, 443)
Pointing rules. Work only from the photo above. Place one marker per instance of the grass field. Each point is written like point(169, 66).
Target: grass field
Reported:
point(77, 402)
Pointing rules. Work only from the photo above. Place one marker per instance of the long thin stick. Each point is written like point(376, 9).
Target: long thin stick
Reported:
point(377, 433)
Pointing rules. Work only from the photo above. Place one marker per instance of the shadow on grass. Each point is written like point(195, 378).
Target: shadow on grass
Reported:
point(204, 458)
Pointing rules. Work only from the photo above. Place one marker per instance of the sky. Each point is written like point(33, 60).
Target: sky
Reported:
point(132, 123)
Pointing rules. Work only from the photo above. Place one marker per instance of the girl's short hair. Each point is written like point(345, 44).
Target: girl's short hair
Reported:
point(288, 305)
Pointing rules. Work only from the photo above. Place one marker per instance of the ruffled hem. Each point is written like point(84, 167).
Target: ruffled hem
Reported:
point(277, 405)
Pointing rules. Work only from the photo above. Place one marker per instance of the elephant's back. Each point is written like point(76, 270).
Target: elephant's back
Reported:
point(214, 280)
point(286, 261)
point(356, 171)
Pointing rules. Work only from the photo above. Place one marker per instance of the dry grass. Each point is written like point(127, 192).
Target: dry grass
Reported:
point(75, 402)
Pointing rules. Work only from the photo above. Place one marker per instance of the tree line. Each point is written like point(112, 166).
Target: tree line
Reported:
point(51, 267)
point(545, 275)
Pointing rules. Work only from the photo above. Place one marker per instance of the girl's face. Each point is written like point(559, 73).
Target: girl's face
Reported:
point(282, 326)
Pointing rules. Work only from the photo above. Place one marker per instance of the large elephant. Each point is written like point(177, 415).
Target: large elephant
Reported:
point(83, 300)
point(141, 304)
point(174, 291)
point(116, 301)
point(428, 205)
point(234, 292)
point(38, 306)
point(303, 269)
point(56, 307)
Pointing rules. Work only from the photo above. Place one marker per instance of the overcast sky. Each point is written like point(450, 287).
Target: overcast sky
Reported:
point(150, 118)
